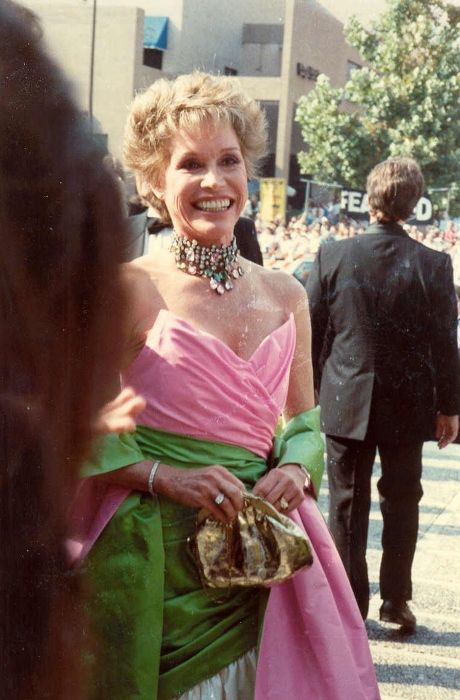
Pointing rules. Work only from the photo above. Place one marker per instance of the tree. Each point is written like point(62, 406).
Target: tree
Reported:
point(404, 101)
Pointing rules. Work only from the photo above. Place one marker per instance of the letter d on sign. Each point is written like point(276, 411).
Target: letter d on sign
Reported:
point(424, 209)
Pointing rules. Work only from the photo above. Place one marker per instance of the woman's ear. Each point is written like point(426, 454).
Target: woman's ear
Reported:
point(142, 186)
point(158, 188)
point(158, 192)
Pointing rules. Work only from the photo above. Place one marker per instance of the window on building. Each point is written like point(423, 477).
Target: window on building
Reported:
point(262, 49)
point(155, 40)
point(263, 34)
point(153, 58)
point(351, 67)
point(230, 71)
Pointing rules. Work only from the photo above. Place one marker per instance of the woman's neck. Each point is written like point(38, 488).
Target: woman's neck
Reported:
point(218, 263)
point(206, 241)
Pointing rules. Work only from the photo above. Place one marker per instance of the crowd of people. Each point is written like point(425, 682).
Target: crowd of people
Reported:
point(284, 242)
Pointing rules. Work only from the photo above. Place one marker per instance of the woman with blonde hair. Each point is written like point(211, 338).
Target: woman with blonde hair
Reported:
point(218, 347)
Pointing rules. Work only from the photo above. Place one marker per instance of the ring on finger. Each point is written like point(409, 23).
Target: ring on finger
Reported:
point(219, 499)
point(284, 504)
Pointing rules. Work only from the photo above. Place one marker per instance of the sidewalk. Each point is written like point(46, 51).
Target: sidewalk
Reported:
point(425, 666)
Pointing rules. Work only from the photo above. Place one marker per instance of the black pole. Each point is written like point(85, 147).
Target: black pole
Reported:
point(91, 65)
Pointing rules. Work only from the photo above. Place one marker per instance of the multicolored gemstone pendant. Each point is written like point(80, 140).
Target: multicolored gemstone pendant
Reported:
point(218, 263)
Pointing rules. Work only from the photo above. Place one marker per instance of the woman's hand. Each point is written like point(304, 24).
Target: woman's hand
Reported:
point(199, 488)
point(119, 415)
point(284, 482)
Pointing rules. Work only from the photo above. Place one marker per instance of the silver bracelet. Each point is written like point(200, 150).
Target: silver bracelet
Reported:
point(152, 475)
point(308, 484)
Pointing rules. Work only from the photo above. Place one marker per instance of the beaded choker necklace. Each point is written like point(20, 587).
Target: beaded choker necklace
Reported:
point(219, 263)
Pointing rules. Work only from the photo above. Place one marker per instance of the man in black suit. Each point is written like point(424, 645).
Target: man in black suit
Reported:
point(246, 238)
point(384, 316)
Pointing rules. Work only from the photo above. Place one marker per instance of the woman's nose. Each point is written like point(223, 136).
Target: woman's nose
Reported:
point(211, 178)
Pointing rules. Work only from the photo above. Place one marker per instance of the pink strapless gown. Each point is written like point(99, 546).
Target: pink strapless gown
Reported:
point(314, 644)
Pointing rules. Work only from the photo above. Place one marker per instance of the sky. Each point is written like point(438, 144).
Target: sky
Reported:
point(365, 10)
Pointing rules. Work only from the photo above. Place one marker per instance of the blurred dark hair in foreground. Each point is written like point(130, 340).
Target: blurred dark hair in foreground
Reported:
point(61, 227)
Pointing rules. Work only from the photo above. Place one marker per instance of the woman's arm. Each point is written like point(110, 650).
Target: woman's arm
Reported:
point(195, 488)
point(143, 304)
point(300, 396)
point(286, 484)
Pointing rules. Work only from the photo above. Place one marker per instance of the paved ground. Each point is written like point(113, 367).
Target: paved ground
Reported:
point(425, 666)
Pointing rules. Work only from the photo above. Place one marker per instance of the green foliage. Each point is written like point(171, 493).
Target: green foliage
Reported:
point(404, 101)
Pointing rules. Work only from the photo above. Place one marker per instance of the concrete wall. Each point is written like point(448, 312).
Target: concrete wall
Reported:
point(313, 37)
point(262, 88)
point(261, 59)
point(210, 39)
point(212, 32)
point(145, 76)
point(318, 41)
point(118, 50)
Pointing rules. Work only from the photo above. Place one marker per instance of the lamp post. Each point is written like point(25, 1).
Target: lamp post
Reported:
point(307, 196)
point(91, 65)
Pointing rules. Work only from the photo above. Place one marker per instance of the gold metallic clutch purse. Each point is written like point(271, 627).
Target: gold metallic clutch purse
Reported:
point(260, 546)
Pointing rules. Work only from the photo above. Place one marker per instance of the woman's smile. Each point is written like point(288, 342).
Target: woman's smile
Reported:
point(214, 205)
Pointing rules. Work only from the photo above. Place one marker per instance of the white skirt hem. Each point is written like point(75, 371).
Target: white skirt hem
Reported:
point(234, 682)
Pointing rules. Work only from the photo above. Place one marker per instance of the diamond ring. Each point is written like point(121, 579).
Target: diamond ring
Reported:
point(219, 499)
point(284, 505)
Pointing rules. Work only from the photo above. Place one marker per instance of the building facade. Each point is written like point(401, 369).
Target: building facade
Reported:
point(277, 48)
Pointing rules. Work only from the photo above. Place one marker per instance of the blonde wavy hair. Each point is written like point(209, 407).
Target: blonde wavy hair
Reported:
point(170, 106)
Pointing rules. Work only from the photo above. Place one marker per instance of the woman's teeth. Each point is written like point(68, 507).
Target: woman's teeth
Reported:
point(214, 205)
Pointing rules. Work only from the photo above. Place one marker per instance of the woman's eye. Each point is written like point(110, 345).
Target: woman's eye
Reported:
point(231, 160)
point(190, 164)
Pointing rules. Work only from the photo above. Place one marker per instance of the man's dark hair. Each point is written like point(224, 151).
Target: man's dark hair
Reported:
point(394, 188)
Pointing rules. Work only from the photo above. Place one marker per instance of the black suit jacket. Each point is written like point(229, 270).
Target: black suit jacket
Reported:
point(383, 311)
point(246, 238)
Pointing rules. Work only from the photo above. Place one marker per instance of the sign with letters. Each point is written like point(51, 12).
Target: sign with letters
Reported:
point(354, 205)
point(307, 72)
point(272, 193)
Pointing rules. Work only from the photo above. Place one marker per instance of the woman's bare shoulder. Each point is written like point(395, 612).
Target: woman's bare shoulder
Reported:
point(142, 268)
point(141, 293)
point(281, 287)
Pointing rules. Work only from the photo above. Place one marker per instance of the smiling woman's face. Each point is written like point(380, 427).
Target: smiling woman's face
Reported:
point(205, 183)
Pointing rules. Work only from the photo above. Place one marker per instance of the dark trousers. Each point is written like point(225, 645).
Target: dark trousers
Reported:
point(349, 465)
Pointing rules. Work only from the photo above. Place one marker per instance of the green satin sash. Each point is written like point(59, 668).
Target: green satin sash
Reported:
point(158, 632)
point(300, 441)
